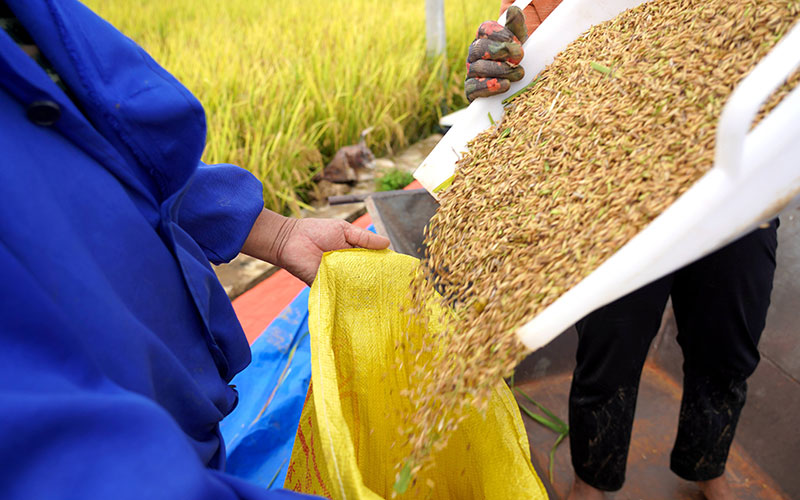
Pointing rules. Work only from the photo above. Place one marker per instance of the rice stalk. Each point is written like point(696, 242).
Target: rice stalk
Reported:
point(286, 84)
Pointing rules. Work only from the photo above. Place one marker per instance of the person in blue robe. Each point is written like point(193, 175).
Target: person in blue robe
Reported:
point(117, 341)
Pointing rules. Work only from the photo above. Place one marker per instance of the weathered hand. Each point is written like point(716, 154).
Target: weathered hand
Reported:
point(494, 55)
point(308, 239)
point(297, 245)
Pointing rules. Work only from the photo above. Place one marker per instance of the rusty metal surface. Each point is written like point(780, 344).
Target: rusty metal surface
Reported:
point(402, 216)
point(648, 474)
point(781, 342)
point(768, 425)
point(556, 358)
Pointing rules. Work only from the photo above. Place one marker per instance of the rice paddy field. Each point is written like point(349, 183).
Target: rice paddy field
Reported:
point(285, 84)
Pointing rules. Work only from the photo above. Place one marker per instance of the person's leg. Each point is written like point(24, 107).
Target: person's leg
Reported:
point(720, 304)
point(612, 346)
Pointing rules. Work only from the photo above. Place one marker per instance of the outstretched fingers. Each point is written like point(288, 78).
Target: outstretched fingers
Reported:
point(361, 238)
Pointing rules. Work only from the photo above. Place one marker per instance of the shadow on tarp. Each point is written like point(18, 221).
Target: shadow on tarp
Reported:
point(260, 436)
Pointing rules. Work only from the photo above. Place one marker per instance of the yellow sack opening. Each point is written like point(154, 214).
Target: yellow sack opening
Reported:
point(347, 445)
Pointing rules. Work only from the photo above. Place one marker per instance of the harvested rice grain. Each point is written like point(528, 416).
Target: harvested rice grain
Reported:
point(605, 139)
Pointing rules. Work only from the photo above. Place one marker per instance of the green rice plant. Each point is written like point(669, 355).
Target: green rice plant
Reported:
point(286, 84)
point(394, 179)
point(549, 420)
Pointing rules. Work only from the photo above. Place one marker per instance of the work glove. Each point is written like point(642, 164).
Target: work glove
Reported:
point(536, 12)
point(494, 55)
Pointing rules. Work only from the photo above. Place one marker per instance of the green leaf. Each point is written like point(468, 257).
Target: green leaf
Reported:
point(563, 426)
point(599, 67)
point(445, 184)
point(404, 479)
point(523, 89)
point(553, 426)
point(553, 453)
point(553, 423)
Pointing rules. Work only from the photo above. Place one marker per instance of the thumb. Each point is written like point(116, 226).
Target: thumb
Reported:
point(364, 239)
point(515, 22)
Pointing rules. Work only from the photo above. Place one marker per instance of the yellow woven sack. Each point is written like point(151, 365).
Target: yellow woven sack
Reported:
point(347, 444)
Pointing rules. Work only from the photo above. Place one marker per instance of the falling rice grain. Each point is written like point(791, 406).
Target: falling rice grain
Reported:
point(548, 194)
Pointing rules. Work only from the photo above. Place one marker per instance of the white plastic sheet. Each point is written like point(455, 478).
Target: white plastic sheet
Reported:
point(756, 172)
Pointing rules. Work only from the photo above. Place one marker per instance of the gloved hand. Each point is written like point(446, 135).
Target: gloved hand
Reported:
point(494, 55)
point(536, 12)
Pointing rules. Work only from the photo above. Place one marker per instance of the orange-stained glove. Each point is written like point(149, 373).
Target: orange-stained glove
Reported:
point(494, 55)
point(535, 13)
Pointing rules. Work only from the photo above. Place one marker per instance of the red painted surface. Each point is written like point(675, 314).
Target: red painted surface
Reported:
point(257, 307)
point(363, 222)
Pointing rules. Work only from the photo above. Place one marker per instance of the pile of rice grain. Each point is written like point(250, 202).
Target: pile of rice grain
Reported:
point(607, 137)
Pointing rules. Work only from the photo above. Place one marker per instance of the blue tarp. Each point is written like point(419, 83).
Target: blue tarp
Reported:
point(260, 432)
point(260, 436)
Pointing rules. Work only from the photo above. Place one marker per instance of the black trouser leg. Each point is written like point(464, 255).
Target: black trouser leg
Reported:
point(720, 304)
point(612, 346)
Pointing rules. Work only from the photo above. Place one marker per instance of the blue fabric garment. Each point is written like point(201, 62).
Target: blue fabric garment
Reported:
point(260, 432)
point(117, 341)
